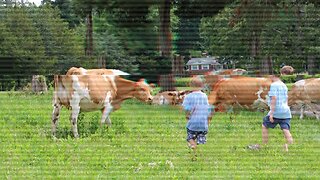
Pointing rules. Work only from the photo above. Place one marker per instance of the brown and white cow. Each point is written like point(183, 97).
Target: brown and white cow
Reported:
point(94, 92)
point(247, 92)
point(169, 97)
point(102, 71)
point(305, 93)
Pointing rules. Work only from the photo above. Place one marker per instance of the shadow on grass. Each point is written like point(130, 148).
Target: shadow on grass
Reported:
point(90, 126)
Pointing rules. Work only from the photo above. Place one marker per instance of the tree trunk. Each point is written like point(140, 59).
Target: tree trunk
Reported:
point(39, 84)
point(311, 65)
point(165, 32)
point(89, 35)
point(178, 66)
point(101, 62)
point(167, 82)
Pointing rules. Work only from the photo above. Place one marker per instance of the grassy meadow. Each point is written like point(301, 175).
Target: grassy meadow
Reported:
point(146, 142)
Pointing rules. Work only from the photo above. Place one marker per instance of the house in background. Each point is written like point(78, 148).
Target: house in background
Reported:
point(196, 66)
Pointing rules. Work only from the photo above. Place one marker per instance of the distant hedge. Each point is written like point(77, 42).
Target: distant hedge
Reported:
point(296, 77)
point(184, 82)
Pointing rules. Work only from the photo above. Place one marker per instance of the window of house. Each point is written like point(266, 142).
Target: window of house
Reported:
point(194, 67)
point(205, 66)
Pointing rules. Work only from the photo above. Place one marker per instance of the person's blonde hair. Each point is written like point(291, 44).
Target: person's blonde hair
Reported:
point(196, 82)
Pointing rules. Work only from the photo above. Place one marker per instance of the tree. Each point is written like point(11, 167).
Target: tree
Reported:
point(20, 48)
point(190, 13)
point(262, 37)
point(165, 32)
point(63, 47)
point(85, 9)
point(67, 12)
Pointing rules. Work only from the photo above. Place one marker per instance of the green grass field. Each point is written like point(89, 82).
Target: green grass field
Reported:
point(146, 141)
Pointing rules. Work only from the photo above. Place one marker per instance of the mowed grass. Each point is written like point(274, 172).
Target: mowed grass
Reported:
point(146, 141)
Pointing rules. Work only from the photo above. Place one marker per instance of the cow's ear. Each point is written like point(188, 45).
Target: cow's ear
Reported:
point(182, 92)
point(171, 94)
point(152, 85)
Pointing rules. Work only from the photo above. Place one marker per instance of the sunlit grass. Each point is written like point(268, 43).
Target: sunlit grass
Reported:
point(146, 141)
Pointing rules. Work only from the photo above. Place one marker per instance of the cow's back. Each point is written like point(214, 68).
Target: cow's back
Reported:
point(82, 71)
point(242, 90)
point(90, 88)
point(304, 90)
point(312, 87)
point(76, 71)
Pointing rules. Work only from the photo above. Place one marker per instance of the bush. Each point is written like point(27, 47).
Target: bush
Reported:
point(289, 78)
point(183, 82)
point(296, 77)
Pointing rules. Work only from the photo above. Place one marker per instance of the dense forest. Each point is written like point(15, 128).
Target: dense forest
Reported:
point(142, 36)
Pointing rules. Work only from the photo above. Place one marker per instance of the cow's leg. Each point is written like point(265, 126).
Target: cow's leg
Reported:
point(105, 115)
point(302, 111)
point(314, 110)
point(55, 118)
point(75, 106)
point(106, 110)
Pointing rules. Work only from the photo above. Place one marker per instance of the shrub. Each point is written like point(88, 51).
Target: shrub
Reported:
point(183, 82)
point(288, 78)
point(317, 76)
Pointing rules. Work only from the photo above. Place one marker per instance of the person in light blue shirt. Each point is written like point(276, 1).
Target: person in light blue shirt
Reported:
point(198, 113)
point(279, 111)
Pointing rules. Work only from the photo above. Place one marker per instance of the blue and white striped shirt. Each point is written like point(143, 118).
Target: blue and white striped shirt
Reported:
point(280, 90)
point(197, 103)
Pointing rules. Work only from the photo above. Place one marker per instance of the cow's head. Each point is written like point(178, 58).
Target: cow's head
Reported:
point(143, 91)
point(182, 95)
point(174, 97)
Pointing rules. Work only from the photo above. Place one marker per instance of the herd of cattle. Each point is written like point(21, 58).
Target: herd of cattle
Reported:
point(104, 89)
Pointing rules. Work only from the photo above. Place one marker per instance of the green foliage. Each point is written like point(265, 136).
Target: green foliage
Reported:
point(183, 82)
point(283, 34)
point(153, 66)
point(20, 42)
point(190, 14)
point(288, 78)
point(63, 47)
point(35, 40)
point(68, 12)
point(222, 40)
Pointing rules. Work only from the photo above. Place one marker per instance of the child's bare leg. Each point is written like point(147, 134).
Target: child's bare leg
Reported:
point(288, 137)
point(264, 135)
point(193, 145)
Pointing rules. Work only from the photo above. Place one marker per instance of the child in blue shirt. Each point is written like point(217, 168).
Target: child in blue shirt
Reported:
point(279, 111)
point(199, 114)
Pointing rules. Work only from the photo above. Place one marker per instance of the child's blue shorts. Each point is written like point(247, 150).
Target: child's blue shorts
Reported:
point(284, 123)
point(200, 136)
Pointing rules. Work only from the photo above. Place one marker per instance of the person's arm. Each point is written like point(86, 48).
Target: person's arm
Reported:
point(210, 114)
point(186, 104)
point(272, 107)
point(273, 99)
